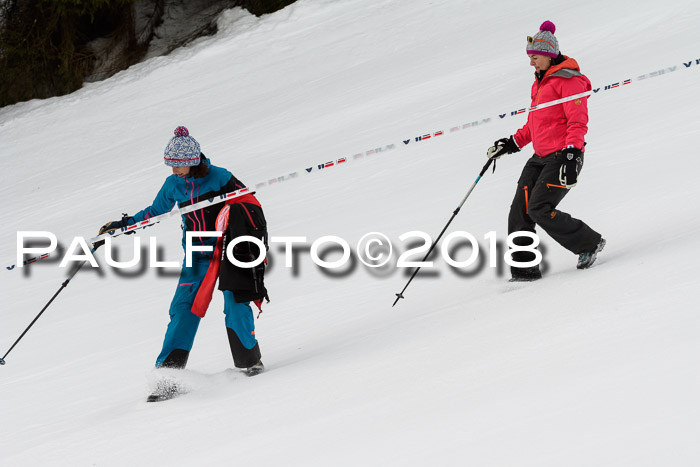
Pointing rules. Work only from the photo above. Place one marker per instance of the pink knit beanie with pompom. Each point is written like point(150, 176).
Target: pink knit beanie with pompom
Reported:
point(544, 42)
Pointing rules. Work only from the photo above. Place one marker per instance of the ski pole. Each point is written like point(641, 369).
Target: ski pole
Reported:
point(454, 214)
point(63, 286)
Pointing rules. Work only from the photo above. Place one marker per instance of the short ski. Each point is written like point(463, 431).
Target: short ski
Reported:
point(166, 390)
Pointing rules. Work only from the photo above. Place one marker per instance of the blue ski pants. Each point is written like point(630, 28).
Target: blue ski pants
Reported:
point(184, 323)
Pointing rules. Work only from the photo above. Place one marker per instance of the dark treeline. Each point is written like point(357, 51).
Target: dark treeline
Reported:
point(45, 46)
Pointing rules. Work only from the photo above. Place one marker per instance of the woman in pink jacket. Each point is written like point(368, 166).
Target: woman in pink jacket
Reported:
point(557, 136)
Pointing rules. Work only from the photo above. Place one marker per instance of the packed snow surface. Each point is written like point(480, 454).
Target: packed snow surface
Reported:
point(583, 368)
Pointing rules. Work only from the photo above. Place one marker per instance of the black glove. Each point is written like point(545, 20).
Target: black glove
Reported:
point(501, 147)
point(572, 161)
point(111, 227)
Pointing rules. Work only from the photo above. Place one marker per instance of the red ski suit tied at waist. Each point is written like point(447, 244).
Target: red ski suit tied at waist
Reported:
point(554, 128)
point(206, 290)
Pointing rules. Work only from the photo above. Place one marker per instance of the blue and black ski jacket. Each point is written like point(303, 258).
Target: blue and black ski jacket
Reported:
point(189, 190)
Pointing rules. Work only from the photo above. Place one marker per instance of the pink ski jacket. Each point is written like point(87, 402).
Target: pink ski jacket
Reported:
point(554, 128)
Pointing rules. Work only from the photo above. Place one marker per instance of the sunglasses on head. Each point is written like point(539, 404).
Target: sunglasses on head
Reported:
point(531, 40)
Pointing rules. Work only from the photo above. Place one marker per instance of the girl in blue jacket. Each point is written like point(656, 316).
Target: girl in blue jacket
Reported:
point(194, 179)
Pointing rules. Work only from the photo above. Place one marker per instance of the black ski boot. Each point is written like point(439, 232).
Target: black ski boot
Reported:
point(525, 274)
point(586, 260)
point(255, 369)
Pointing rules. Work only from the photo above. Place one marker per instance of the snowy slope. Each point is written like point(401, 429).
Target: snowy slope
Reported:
point(594, 367)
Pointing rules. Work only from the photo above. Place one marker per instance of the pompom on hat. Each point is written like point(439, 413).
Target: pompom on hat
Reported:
point(182, 150)
point(544, 42)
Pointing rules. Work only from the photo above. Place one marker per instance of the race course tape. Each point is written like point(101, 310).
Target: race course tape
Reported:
point(379, 150)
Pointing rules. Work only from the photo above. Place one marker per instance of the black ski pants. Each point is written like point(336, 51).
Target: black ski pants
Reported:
point(538, 194)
